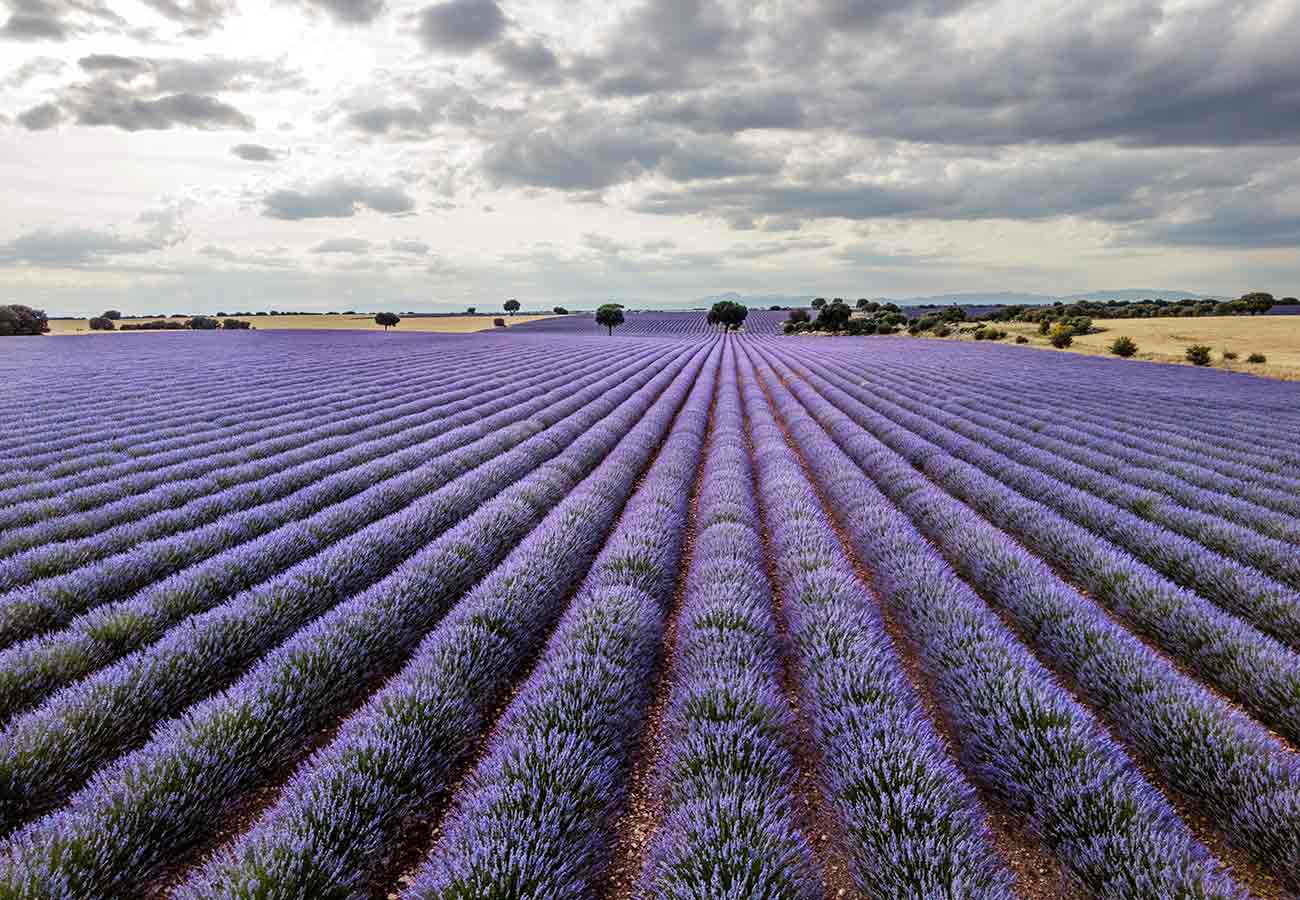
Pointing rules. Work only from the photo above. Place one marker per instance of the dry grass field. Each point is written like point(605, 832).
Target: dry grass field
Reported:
point(444, 324)
point(1165, 340)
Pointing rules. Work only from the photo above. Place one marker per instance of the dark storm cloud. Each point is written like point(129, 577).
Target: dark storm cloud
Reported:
point(530, 60)
point(338, 198)
point(461, 26)
point(255, 153)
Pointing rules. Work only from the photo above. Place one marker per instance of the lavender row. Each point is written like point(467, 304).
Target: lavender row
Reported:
point(29, 671)
point(141, 812)
point(79, 493)
point(1255, 670)
point(1264, 602)
point(51, 453)
point(55, 546)
point(1279, 559)
point(1024, 737)
point(1229, 766)
point(1140, 424)
point(48, 752)
point(1215, 496)
point(1144, 460)
point(537, 815)
point(727, 778)
point(909, 820)
point(52, 602)
point(188, 393)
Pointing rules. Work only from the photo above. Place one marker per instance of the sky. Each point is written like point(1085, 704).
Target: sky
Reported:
point(204, 155)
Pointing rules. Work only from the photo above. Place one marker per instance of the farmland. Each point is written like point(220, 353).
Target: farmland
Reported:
point(312, 322)
point(672, 614)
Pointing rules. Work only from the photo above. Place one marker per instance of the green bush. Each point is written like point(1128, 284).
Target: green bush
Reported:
point(1198, 355)
point(1257, 358)
point(1229, 355)
point(942, 331)
point(203, 323)
point(1123, 346)
point(17, 319)
point(1021, 339)
point(102, 323)
point(1060, 336)
point(1044, 326)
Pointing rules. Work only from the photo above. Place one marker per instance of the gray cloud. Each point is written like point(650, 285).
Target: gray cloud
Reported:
point(346, 12)
point(199, 16)
point(121, 110)
point(414, 248)
point(108, 62)
point(353, 246)
point(337, 198)
point(730, 111)
point(461, 26)
point(416, 119)
point(255, 153)
point(41, 66)
point(72, 247)
point(562, 159)
point(40, 118)
point(55, 20)
point(529, 60)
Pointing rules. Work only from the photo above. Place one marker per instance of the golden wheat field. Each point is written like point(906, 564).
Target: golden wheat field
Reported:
point(1165, 340)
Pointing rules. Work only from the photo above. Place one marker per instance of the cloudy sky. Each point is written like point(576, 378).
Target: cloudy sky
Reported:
point(195, 155)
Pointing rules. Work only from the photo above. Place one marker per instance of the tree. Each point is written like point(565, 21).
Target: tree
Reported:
point(1061, 336)
point(862, 303)
point(101, 323)
point(236, 325)
point(560, 311)
point(512, 306)
point(1256, 302)
point(112, 315)
point(833, 317)
point(203, 323)
point(471, 310)
point(22, 320)
point(728, 313)
point(1123, 346)
point(388, 320)
point(797, 316)
point(610, 316)
point(819, 303)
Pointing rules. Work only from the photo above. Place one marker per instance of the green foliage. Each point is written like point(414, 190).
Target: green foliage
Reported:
point(235, 325)
point(1123, 346)
point(1257, 358)
point(728, 313)
point(560, 311)
point(387, 319)
point(102, 323)
point(833, 317)
point(17, 319)
point(111, 314)
point(203, 323)
point(819, 303)
point(610, 316)
point(797, 316)
point(1060, 336)
point(1198, 355)
point(512, 306)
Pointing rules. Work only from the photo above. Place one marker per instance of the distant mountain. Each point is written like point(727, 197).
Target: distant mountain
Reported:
point(1130, 294)
point(963, 298)
point(998, 298)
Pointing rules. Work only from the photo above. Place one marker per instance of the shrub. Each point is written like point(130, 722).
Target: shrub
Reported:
point(1060, 336)
point(1021, 339)
point(236, 325)
point(833, 317)
point(1229, 355)
point(942, 331)
point(886, 328)
point(1257, 358)
point(1123, 346)
point(1198, 355)
point(1044, 326)
point(111, 314)
point(499, 323)
point(204, 323)
point(989, 334)
point(101, 323)
point(387, 319)
point(797, 316)
point(22, 320)
point(560, 311)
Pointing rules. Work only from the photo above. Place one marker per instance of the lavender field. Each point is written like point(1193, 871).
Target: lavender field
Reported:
point(669, 614)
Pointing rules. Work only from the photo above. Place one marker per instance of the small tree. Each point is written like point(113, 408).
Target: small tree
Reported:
point(560, 311)
point(1230, 355)
point(1257, 302)
point(236, 325)
point(1123, 346)
point(833, 317)
point(203, 323)
point(819, 303)
point(512, 306)
point(1061, 336)
point(862, 303)
point(102, 323)
point(387, 319)
point(1198, 355)
point(729, 314)
point(1257, 358)
point(112, 315)
point(471, 310)
point(610, 316)
point(797, 316)
point(17, 319)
